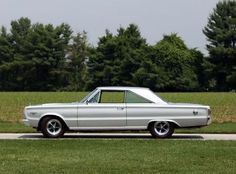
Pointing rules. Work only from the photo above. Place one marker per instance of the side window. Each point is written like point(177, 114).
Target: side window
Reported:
point(94, 99)
point(112, 97)
point(134, 98)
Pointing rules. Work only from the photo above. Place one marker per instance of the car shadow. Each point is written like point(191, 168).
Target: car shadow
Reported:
point(115, 136)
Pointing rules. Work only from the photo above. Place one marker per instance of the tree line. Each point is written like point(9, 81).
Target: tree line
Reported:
point(44, 57)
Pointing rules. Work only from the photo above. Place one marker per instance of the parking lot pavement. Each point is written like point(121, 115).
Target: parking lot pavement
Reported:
point(37, 136)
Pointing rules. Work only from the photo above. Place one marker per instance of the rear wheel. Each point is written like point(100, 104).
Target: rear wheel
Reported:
point(52, 127)
point(161, 129)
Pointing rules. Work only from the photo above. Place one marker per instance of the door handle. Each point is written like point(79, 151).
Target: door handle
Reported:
point(120, 108)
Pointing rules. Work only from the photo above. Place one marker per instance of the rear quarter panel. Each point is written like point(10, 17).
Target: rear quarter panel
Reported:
point(140, 115)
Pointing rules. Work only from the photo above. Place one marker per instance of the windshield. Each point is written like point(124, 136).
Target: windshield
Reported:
point(87, 96)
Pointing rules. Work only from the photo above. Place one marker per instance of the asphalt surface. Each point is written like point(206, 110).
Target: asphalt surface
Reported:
point(38, 136)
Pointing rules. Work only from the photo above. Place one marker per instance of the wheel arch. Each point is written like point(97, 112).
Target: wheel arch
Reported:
point(176, 125)
point(52, 115)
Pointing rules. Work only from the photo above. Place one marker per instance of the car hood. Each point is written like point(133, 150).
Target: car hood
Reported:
point(52, 105)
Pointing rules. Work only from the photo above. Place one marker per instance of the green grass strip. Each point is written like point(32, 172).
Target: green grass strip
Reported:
point(116, 156)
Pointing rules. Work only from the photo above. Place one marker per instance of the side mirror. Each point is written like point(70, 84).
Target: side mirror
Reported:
point(87, 102)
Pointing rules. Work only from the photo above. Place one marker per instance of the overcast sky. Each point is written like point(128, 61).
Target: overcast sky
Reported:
point(154, 17)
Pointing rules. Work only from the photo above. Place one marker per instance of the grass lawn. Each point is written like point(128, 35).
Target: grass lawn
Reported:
point(223, 107)
point(117, 156)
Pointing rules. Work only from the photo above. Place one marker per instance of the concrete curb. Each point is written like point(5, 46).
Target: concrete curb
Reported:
point(38, 136)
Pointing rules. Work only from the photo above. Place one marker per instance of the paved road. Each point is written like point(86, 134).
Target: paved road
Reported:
point(36, 136)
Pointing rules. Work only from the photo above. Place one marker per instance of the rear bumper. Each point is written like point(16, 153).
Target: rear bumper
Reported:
point(209, 120)
point(26, 122)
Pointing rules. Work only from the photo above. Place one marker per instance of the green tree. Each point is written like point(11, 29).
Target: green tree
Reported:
point(6, 55)
point(116, 58)
point(35, 57)
point(221, 34)
point(14, 66)
point(49, 45)
point(39, 57)
point(77, 57)
point(202, 68)
point(178, 64)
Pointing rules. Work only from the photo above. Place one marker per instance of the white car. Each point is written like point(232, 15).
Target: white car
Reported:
point(117, 108)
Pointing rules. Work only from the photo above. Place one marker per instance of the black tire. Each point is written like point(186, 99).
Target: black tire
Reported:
point(162, 129)
point(52, 127)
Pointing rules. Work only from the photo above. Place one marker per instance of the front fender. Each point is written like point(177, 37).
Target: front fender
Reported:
point(53, 115)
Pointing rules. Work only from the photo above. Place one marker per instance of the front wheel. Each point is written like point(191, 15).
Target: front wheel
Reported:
point(52, 127)
point(161, 129)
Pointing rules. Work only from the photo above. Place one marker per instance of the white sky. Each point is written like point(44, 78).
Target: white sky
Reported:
point(154, 17)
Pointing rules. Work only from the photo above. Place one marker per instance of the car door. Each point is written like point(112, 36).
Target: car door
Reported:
point(139, 110)
point(105, 110)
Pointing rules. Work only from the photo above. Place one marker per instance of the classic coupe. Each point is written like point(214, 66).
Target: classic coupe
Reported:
point(116, 108)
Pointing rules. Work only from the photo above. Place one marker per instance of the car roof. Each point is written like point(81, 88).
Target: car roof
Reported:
point(120, 88)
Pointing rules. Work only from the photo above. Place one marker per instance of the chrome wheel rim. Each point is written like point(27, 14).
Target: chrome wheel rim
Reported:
point(54, 126)
point(161, 128)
